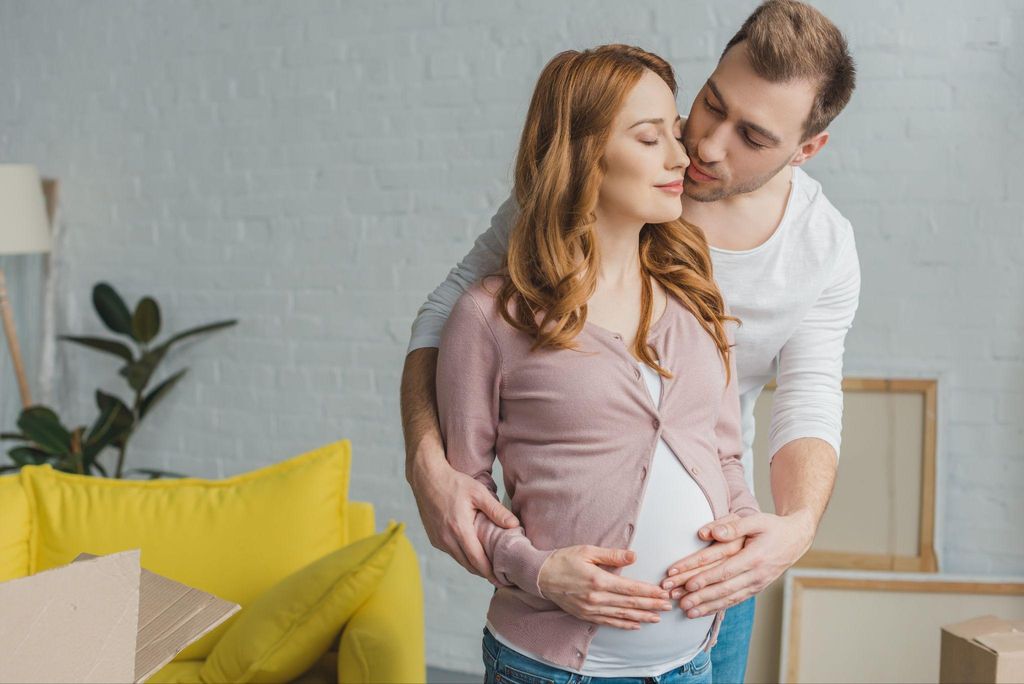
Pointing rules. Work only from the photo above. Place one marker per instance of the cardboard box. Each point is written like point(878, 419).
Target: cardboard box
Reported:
point(100, 619)
point(984, 650)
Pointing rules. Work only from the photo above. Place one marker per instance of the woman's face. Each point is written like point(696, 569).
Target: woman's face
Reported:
point(644, 157)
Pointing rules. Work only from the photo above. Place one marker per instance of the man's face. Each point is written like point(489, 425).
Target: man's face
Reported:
point(742, 129)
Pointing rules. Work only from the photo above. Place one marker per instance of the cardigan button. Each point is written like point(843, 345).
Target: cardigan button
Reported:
point(656, 423)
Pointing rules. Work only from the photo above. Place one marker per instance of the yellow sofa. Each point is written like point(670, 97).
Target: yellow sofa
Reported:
point(382, 641)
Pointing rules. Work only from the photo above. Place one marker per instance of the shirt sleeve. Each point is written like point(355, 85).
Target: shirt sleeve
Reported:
point(468, 396)
point(808, 399)
point(729, 436)
point(486, 257)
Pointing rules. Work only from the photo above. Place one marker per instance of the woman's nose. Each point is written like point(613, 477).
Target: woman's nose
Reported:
point(678, 158)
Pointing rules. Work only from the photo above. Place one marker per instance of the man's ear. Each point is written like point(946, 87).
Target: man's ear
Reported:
point(809, 148)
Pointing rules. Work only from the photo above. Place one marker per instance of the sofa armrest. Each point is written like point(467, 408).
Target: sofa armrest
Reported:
point(383, 642)
point(359, 520)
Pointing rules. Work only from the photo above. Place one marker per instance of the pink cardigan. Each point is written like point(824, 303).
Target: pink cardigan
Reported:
point(575, 432)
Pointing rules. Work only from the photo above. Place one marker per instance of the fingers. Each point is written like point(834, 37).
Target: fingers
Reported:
point(704, 558)
point(605, 608)
point(679, 580)
point(455, 551)
point(606, 556)
point(632, 588)
point(719, 596)
point(705, 532)
point(470, 554)
point(494, 510)
point(729, 569)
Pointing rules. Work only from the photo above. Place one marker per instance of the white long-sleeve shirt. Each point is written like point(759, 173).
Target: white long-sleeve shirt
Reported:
point(796, 295)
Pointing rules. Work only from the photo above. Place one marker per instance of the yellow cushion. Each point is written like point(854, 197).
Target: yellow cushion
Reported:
point(288, 628)
point(384, 641)
point(14, 528)
point(178, 672)
point(234, 538)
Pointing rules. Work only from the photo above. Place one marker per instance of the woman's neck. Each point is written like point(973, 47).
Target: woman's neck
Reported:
point(618, 243)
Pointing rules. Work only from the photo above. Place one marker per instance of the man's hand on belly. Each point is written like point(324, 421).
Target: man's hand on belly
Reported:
point(747, 555)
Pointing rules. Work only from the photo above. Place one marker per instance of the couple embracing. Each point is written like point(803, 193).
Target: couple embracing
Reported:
point(606, 340)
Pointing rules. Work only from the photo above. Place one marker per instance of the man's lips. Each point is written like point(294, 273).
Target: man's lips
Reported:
point(695, 173)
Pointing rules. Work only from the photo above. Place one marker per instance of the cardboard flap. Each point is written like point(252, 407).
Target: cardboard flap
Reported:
point(986, 624)
point(171, 616)
point(1003, 643)
point(75, 623)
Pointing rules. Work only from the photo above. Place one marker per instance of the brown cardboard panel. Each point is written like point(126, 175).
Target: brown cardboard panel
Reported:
point(985, 624)
point(75, 623)
point(983, 650)
point(171, 616)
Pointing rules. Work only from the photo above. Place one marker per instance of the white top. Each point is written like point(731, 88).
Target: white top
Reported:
point(796, 295)
point(673, 508)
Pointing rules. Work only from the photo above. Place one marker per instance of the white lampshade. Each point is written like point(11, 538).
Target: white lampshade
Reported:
point(24, 227)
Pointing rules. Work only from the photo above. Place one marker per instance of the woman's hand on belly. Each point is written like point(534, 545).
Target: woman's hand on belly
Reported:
point(572, 578)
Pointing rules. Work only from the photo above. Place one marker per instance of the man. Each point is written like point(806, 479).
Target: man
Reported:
point(786, 262)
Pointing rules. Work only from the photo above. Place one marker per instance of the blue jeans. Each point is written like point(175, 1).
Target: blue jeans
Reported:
point(729, 654)
point(504, 665)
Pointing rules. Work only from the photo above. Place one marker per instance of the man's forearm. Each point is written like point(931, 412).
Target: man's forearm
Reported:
point(419, 409)
point(803, 473)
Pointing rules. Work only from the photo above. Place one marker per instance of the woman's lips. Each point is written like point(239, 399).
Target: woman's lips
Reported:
point(675, 187)
point(696, 174)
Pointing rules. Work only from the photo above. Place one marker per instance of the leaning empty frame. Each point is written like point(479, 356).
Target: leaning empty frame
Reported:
point(882, 512)
point(852, 626)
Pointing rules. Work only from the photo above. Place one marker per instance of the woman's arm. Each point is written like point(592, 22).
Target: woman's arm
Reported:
point(469, 373)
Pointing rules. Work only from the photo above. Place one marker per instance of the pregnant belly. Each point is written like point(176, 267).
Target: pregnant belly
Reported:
point(673, 509)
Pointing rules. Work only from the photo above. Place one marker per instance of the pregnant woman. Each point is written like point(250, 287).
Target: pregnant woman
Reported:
point(597, 368)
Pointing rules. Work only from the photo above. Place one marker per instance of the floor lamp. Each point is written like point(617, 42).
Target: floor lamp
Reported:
point(24, 229)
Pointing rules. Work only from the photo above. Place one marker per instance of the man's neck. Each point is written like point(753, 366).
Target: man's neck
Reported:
point(743, 221)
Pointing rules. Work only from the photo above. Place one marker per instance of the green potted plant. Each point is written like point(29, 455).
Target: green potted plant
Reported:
point(45, 439)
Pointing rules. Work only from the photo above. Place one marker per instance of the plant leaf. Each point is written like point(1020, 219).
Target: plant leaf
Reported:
point(124, 424)
point(43, 427)
point(146, 321)
point(210, 327)
point(98, 467)
point(153, 473)
point(139, 372)
point(114, 419)
point(27, 456)
point(112, 309)
point(98, 343)
point(157, 394)
point(13, 435)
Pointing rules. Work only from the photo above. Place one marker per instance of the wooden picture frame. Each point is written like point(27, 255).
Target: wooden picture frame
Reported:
point(870, 626)
point(918, 556)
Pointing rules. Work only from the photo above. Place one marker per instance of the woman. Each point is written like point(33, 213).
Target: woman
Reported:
point(597, 366)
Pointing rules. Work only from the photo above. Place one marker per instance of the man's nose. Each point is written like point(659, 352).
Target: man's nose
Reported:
point(711, 148)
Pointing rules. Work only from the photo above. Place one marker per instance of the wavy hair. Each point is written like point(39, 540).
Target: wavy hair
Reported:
point(552, 261)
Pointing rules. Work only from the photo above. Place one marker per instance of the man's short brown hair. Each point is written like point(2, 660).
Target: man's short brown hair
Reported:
point(789, 40)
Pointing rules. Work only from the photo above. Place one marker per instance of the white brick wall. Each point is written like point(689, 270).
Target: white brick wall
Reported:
point(314, 168)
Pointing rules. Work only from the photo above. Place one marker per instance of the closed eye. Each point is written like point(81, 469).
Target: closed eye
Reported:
point(750, 142)
point(655, 142)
